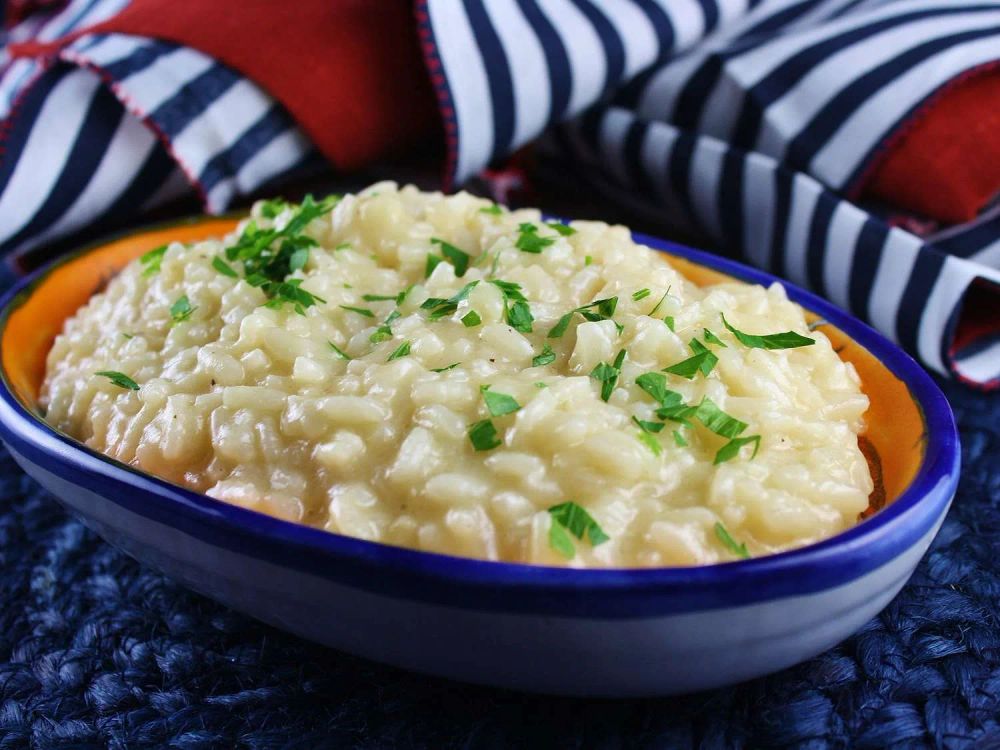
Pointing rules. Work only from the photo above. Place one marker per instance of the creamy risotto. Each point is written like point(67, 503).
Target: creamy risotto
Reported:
point(442, 373)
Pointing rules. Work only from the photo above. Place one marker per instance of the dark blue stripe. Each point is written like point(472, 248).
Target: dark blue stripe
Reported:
point(710, 13)
point(139, 60)
point(662, 25)
point(614, 50)
point(868, 251)
point(679, 175)
point(817, 245)
point(192, 99)
point(783, 187)
point(694, 95)
point(825, 123)
point(104, 114)
point(971, 240)
point(632, 156)
point(556, 59)
point(791, 71)
point(730, 202)
point(23, 121)
point(778, 21)
point(228, 162)
point(918, 288)
point(497, 74)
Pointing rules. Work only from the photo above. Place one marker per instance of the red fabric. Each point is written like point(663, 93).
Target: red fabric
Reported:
point(945, 162)
point(349, 71)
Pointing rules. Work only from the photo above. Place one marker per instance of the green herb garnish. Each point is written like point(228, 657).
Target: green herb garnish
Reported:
point(270, 209)
point(401, 351)
point(432, 263)
point(224, 268)
point(547, 357)
point(519, 317)
point(498, 404)
point(340, 352)
point(152, 260)
point(599, 309)
point(711, 338)
point(452, 366)
point(702, 362)
point(574, 519)
point(716, 420)
point(785, 340)
point(587, 260)
point(680, 439)
point(563, 229)
point(493, 210)
point(740, 550)
point(483, 435)
point(608, 375)
point(652, 312)
point(459, 258)
point(641, 294)
point(669, 320)
point(732, 448)
point(647, 426)
point(380, 297)
point(359, 310)
point(529, 241)
point(181, 309)
point(120, 379)
point(471, 319)
point(384, 331)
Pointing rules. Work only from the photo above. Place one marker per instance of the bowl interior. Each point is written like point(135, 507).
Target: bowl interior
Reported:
point(894, 439)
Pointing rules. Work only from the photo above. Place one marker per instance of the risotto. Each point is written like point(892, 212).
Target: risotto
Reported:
point(445, 374)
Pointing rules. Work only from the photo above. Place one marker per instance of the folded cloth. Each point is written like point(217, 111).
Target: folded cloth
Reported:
point(848, 145)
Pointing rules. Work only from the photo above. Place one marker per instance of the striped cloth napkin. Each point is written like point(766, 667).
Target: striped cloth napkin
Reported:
point(852, 146)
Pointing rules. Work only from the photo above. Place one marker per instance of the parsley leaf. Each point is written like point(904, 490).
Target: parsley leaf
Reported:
point(691, 366)
point(380, 297)
point(669, 320)
point(560, 541)
point(452, 366)
point(519, 316)
point(152, 260)
point(563, 229)
point(181, 309)
point(716, 420)
point(499, 404)
point(471, 319)
point(459, 258)
point(608, 375)
point(298, 259)
point(648, 426)
point(384, 331)
point(711, 338)
point(663, 299)
point(401, 351)
point(224, 268)
point(510, 289)
point(120, 379)
point(483, 435)
point(785, 340)
point(432, 263)
point(697, 347)
point(270, 209)
point(560, 328)
point(732, 448)
point(493, 210)
point(341, 353)
point(605, 310)
point(359, 310)
point(740, 550)
point(679, 439)
point(577, 521)
point(650, 441)
point(641, 294)
point(547, 357)
point(529, 241)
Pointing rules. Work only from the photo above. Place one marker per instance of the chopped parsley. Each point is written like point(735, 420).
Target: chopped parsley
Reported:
point(529, 241)
point(608, 375)
point(493, 209)
point(120, 379)
point(343, 246)
point(452, 366)
point(557, 226)
point(641, 294)
point(669, 320)
point(540, 384)
point(511, 290)
point(599, 309)
point(224, 268)
point(380, 297)
point(650, 441)
point(547, 357)
point(672, 404)
point(499, 404)
point(459, 258)
point(697, 347)
point(432, 263)
point(152, 260)
point(658, 304)
point(679, 439)
point(128, 336)
point(270, 209)
point(181, 309)
point(338, 351)
point(359, 310)
point(648, 426)
point(732, 449)
point(740, 550)
point(440, 307)
point(384, 331)
point(711, 338)
point(471, 319)
point(519, 316)
point(401, 351)
point(784, 340)
point(298, 259)
point(588, 259)
point(483, 435)
point(716, 420)
point(702, 362)
point(571, 518)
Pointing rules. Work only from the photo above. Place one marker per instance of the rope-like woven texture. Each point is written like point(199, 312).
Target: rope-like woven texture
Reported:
point(97, 651)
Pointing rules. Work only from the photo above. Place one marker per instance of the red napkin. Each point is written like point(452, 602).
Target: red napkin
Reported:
point(351, 74)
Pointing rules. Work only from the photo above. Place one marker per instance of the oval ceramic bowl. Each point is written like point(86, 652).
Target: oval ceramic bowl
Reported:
point(589, 632)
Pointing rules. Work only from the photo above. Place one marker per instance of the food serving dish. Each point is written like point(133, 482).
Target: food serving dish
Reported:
point(593, 632)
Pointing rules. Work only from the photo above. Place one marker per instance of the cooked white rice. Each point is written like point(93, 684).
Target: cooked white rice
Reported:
point(252, 405)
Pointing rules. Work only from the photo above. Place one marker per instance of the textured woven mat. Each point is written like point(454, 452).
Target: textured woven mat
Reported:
point(98, 651)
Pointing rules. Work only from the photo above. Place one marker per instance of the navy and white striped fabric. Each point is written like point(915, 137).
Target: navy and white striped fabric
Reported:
point(748, 122)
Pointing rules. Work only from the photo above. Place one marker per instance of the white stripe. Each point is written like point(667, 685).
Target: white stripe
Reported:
point(583, 48)
point(898, 256)
point(951, 285)
point(988, 256)
point(785, 117)
point(805, 194)
point(657, 146)
point(613, 128)
point(152, 86)
point(110, 49)
point(981, 367)
point(841, 246)
point(867, 125)
point(528, 69)
point(706, 171)
point(129, 147)
point(45, 151)
point(758, 209)
point(463, 65)
point(220, 125)
point(637, 35)
point(281, 153)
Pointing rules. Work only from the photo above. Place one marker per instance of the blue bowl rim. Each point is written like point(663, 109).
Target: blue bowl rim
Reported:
point(514, 587)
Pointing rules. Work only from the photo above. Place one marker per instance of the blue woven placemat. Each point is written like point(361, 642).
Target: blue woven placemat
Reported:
point(98, 651)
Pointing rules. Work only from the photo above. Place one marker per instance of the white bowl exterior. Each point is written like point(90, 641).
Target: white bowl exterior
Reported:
point(636, 656)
